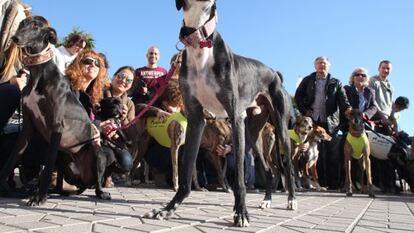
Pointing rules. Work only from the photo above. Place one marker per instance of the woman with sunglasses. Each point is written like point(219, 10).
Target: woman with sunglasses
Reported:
point(121, 83)
point(87, 75)
point(360, 96)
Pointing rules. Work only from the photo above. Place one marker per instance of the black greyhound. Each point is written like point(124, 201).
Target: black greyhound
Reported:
point(215, 79)
point(53, 110)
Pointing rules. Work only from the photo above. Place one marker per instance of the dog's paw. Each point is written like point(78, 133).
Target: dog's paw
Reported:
point(241, 220)
point(201, 189)
point(37, 200)
point(349, 194)
point(371, 194)
point(292, 204)
point(103, 195)
point(228, 190)
point(160, 214)
point(265, 204)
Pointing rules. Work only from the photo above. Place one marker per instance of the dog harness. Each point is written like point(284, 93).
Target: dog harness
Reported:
point(357, 144)
point(158, 129)
point(295, 137)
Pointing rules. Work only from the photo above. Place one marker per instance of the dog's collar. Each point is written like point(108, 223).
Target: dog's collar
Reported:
point(198, 39)
point(38, 58)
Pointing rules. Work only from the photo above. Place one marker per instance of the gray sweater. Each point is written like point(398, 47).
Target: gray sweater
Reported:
point(383, 94)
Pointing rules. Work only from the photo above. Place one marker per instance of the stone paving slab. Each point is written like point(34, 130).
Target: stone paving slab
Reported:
point(208, 212)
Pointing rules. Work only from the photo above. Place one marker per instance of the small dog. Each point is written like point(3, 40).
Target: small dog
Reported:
point(51, 109)
point(357, 147)
point(308, 160)
point(298, 136)
point(217, 132)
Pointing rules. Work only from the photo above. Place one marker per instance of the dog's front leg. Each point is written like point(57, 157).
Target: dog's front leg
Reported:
point(46, 175)
point(174, 161)
point(347, 163)
point(192, 143)
point(100, 172)
point(367, 162)
point(241, 217)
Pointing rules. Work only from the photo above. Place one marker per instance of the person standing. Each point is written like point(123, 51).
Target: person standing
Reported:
point(322, 97)
point(361, 96)
point(146, 78)
point(383, 90)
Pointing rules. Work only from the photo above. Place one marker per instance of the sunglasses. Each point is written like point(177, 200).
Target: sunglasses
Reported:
point(90, 61)
point(126, 78)
point(361, 75)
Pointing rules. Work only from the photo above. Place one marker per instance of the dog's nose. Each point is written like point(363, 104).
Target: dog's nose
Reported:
point(15, 39)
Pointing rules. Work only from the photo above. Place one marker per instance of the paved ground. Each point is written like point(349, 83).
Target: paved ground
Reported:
point(208, 212)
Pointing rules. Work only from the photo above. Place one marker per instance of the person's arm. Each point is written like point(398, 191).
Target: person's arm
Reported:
point(300, 97)
point(371, 107)
point(342, 99)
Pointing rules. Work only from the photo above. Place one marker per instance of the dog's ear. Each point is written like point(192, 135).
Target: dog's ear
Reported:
point(179, 4)
point(51, 35)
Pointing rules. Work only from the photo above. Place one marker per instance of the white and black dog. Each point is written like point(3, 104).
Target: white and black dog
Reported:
point(215, 79)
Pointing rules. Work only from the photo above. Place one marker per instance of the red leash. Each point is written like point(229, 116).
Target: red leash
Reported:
point(159, 90)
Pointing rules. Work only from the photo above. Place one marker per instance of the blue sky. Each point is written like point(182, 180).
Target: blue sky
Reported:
point(286, 35)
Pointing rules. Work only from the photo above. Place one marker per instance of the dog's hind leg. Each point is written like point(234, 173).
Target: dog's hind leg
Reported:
point(281, 103)
point(192, 143)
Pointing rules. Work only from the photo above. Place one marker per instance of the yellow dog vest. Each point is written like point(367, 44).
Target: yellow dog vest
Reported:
point(294, 136)
point(158, 129)
point(357, 144)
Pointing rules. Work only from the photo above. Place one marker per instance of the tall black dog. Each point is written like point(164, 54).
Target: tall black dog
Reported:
point(53, 110)
point(215, 79)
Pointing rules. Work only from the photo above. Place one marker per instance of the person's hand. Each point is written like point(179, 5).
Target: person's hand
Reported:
point(348, 112)
point(96, 135)
point(163, 115)
point(109, 128)
point(19, 81)
point(304, 147)
point(223, 150)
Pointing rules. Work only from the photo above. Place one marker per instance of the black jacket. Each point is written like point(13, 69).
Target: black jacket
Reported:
point(336, 100)
point(370, 109)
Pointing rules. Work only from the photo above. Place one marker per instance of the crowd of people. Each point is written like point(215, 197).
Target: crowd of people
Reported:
point(319, 95)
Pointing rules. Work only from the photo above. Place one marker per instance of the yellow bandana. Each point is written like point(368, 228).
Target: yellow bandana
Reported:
point(357, 144)
point(158, 129)
point(294, 136)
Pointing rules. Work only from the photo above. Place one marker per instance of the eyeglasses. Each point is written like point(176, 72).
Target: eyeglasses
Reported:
point(361, 75)
point(90, 61)
point(126, 78)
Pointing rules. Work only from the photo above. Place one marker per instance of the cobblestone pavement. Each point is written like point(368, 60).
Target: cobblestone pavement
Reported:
point(208, 212)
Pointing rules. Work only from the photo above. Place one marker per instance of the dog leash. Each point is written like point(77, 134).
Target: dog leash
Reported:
point(159, 90)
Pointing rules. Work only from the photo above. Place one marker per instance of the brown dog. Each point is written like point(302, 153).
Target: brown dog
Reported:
point(357, 147)
point(217, 132)
point(308, 159)
point(299, 135)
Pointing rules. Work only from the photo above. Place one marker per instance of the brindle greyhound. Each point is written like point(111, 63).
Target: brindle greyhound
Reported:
point(53, 110)
point(226, 84)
